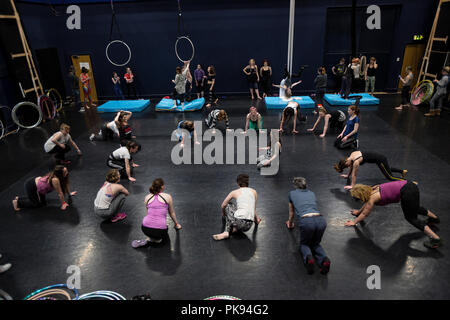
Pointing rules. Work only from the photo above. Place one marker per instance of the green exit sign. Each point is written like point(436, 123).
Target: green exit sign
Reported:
point(418, 37)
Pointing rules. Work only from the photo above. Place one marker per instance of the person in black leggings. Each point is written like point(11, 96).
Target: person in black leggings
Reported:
point(358, 158)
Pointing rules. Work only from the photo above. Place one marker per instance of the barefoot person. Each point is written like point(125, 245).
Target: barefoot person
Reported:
point(239, 216)
point(37, 188)
point(190, 128)
point(349, 135)
point(292, 111)
point(121, 160)
point(405, 192)
point(358, 158)
point(333, 119)
point(158, 205)
point(312, 226)
point(407, 81)
point(110, 198)
point(58, 144)
point(253, 120)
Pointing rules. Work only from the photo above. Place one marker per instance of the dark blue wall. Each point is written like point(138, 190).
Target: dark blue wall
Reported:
point(225, 34)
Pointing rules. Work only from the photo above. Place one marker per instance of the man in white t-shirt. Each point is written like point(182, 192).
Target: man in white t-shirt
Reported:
point(122, 160)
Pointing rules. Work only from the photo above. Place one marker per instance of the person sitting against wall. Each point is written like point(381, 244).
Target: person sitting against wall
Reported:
point(251, 71)
point(58, 144)
point(312, 226)
point(349, 135)
point(122, 160)
point(333, 119)
point(111, 198)
point(239, 215)
point(154, 225)
point(37, 188)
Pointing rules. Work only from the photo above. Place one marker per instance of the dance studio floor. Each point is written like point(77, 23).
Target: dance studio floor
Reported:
point(263, 264)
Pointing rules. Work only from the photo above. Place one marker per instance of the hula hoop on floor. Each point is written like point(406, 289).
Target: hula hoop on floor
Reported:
point(422, 92)
point(363, 66)
point(176, 48)
point(55, 289)
point(222, 297)
point(102, 294)
point(109, 59)
point(26, 103)
point(4, 295)
point(4, 127)
point(43, 102)
point(56, 98)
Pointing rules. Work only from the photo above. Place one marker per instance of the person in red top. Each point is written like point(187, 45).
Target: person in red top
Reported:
point(129, 80)
point(86, 81)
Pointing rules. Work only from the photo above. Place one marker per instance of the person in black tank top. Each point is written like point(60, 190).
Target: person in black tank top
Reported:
point(370, 75)
point(251, 71)
point(358, 158)
point(266, 81)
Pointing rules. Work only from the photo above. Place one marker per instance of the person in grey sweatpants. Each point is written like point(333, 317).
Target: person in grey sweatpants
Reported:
point(111, 198)
point(439, 96)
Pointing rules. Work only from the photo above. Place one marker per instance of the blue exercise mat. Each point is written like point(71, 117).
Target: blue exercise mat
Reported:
point(167, 105)
point(126, 105)
point(336, 100)
point(277, 103)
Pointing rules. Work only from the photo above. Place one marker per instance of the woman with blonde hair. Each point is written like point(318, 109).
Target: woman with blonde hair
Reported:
point(58, 144)
point(405, 192)
point(159, 205)
point(251, 71)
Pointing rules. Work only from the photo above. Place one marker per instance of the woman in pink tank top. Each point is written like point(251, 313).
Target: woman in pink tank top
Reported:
point(405, 192)
point(37, 188)
point(158, 205)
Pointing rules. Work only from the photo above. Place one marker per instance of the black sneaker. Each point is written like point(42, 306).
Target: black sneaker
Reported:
point(309, 264)
point(325, 267)
point(433, 243)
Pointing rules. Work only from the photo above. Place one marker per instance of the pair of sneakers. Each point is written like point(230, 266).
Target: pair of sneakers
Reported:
point(324, 267)
point(5, 267)
point(118, 217)
point(141, 243)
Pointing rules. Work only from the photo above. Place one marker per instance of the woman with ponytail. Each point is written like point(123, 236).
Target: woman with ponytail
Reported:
point(154, 225)
point(37, 188)
point(349, 135)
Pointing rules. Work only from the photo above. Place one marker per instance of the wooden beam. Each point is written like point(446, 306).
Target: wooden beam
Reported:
point(28, 90)
point(18, 55)
point(4, 16)
point(441, 39)
point(430, 75)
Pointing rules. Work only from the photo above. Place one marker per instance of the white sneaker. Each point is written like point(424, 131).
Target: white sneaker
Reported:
point(5, 267)
point(92, 137)
point(81, 109)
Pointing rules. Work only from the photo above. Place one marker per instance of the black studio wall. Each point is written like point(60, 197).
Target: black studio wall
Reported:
point(225, 33)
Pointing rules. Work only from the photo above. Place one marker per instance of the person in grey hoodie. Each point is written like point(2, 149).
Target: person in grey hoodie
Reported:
point(179, 91)
point(441, 93)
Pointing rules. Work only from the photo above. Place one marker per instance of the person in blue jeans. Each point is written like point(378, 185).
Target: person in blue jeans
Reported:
point(117, 89)
point(312, 226)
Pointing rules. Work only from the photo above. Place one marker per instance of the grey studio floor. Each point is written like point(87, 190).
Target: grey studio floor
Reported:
point(263, 264)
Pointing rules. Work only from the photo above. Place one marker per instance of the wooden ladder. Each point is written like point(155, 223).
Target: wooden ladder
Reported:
point(423, 74)
point(37, 86)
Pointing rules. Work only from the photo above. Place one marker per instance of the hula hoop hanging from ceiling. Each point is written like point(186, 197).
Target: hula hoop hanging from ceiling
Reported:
point(111, 41)
point(363, 66)
point(182, 35)
point(26, 103)
point(422, 92)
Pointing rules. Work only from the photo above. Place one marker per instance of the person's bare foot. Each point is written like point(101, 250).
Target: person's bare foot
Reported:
point(14, 202)
point(399, 108)
point(221, 236)
point(258, 220)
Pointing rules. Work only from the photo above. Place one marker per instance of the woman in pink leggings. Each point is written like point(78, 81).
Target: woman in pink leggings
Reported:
point(405, 192)
point(154, 225)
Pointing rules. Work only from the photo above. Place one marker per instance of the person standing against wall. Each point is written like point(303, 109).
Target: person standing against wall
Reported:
point(117, 89)
point(338, 72)
point(129, 81)
point(251, 71)
point(407, 81)
point(369, 75)
point(320, 83)
point(266, 78)
point(75, 88)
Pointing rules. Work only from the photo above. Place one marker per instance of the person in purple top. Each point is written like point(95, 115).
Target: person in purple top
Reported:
point(405, 192)
point(199, 77)
point(158, 205)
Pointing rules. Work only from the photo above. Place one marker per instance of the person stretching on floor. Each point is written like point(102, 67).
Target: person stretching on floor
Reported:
point(311, 223)
point(292, 111)
point(111, 129)
point(335, 119)
point(37, 188)
point(253, 120)
point(239, 216)
point(358, 158)
point(58, 144)
point(215, 116)
point(349, 135)
point(405, 192)
point(110, 198)
point(121, 160)
point(272, 153)
point(285, 86)
point(189, 127)
point(158, 205)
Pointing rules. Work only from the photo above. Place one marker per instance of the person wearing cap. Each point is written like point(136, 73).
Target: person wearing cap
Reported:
point(312, 226)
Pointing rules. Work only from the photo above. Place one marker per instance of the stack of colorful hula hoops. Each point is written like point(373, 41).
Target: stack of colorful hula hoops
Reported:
point(422, 92)
point(62, 291)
